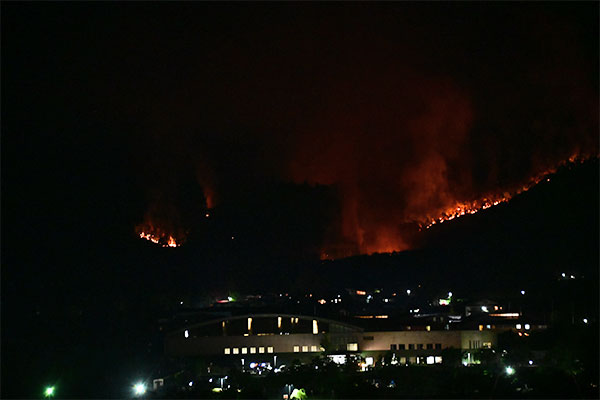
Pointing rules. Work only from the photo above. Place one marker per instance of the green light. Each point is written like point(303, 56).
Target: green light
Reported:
point(49, 392)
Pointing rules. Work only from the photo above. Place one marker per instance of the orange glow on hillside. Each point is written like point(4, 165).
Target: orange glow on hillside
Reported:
point(460, 209)
point(157, 236)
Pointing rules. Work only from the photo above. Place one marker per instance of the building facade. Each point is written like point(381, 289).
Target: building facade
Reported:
point(267, 337)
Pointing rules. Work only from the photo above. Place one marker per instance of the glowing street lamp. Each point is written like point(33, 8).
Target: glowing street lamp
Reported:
point(49, 391)
point(139, 389)
point(510, 371)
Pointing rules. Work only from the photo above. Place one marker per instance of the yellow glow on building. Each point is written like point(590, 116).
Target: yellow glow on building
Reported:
point(249, 324)
point(278, 322)
point(315, 327)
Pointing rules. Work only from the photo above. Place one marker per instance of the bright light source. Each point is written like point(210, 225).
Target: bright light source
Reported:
point(49, 392)
point(449, 294)
point(527, 326)
point(518, 326)
point(510, 370)
point(408, 291)
point(139, 389)
point(186, 333)
point(230, 298)
point(530, 362)
point(585, 320)
point(484, 309)
point(190, 384)
point(564, 275)
point(523, 292)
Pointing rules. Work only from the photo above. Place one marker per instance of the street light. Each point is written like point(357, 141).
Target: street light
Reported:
point(139, 389)
point(49, 391)
point(510, 370)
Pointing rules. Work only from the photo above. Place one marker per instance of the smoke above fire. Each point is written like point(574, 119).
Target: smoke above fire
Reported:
point(412, 119)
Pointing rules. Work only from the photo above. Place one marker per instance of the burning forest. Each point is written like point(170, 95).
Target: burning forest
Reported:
point(418, 130)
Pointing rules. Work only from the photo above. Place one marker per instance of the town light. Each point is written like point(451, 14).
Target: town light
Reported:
point(510, 370)
point(585, 320)
point(139, 389)
point(408, 292)
point(49, 391)
point(523, 292)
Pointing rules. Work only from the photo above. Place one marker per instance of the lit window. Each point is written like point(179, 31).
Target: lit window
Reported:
point(315, 327)
point(270, 349)
point(402, 360)
point(261, 349)
point(313, 348)
point(244, 350)
point(304, 349)
point(236, 350)
point(438, 359)
point(352, 346)
point(518, 326)
point(527, 326)
point(252, 350)
point(227, 350)
point(430, 360)
point(369, 360)
point(296, 349)
point(487, 345)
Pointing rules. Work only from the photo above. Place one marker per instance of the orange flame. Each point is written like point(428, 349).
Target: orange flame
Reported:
point(157, 236)
point(460, 209)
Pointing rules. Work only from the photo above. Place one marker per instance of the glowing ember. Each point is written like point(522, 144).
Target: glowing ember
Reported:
point(460, 209)
point(157, 236)
point(171, 242)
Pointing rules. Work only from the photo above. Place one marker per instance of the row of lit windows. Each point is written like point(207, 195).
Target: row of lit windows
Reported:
point(418, 346)
point(422, 360)
point(477, 344)
point(313, 348)
point(244, 350)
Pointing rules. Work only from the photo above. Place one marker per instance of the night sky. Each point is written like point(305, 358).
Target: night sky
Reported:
point(300, 128)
